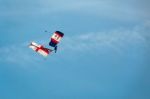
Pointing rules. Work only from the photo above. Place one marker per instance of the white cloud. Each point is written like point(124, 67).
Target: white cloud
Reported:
point(116, 40)
point(18, 54)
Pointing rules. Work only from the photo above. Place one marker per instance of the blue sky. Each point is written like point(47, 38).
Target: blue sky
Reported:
point(104, 54)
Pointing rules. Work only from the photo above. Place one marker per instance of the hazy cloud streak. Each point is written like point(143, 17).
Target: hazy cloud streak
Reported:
point(115, 40)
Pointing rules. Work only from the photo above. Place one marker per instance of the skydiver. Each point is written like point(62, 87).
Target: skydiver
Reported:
point(55, 49)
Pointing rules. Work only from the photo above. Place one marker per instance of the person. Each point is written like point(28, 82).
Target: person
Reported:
point(55, 49)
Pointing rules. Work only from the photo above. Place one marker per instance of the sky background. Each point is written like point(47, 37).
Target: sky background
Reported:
point(103, 55)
